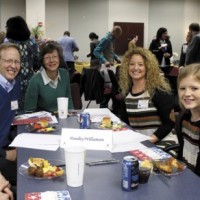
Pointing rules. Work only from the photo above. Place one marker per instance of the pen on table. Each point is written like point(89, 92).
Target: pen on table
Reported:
point(98, 162)
point(61, 165)
point(102, 162)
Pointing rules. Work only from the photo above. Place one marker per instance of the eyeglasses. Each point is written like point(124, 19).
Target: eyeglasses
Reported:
point(49, 58)
point(10, 61)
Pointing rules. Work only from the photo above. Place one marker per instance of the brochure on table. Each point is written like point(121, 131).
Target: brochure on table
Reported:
point(94, 139)
point(34, 117)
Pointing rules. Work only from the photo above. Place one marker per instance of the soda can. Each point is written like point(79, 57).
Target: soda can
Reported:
point(130, 173)
point(84, 120)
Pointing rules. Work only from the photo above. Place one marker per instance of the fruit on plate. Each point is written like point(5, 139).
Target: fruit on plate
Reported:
point(106, 122)
point(40, 124)
point(47, 129)
point(146, 164)
point(40, 167)
point(169, 166)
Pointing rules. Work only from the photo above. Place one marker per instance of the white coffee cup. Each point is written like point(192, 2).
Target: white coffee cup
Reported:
point(75, 165)
point(62, 103)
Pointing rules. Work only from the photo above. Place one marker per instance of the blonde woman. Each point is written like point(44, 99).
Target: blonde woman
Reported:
point(148, 100)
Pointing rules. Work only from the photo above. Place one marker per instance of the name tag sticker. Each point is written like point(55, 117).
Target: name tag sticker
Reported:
point(14, 105)
point(143, 103)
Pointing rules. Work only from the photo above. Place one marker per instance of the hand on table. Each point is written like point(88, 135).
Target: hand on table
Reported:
point(153, 139)
point(5, 192)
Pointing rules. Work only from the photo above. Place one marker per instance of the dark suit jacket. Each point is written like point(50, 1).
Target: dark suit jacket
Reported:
point(154, 48)
point(193, 51)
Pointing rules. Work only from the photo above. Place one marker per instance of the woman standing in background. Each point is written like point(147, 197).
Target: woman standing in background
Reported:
point(94, 61)
point(18, 33)
point(162, 48)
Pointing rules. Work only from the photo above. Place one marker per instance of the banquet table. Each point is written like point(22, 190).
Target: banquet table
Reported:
point(80, 65)
point(104, 181)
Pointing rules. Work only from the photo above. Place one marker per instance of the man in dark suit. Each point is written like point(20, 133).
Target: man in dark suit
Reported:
point(193, 50)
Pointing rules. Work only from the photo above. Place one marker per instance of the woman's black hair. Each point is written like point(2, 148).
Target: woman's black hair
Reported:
point(17, 29)
point(194, 27)
point(93, 35)
point(160, 32)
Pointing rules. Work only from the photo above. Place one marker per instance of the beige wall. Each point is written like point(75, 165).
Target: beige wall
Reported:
point(81, 17)
point(130, 11)
point(35, 12)
point(57, 18)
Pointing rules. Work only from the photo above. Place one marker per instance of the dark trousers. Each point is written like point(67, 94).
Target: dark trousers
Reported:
point(9, 170)
point(71, 67)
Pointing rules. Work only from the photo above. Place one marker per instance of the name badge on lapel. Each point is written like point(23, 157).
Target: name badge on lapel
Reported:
point(143, 104)
point(14, 105)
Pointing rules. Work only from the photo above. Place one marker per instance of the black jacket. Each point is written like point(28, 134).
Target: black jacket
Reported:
point(154, 48)
point(92, 85)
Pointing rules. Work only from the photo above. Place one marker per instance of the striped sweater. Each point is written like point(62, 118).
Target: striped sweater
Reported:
point(189, 138)
point(149, 116)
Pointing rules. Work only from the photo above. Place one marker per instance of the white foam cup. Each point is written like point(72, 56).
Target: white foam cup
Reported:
point(75, 165)
point(62, 103)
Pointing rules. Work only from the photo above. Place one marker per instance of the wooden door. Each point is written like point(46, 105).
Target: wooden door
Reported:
point(129, 31)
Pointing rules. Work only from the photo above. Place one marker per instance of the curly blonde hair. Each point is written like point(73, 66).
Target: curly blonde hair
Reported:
point(154, 80)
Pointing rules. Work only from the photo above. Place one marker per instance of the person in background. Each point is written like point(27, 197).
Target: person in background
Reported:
point(51, 82)
point(94, 62)
point(148, 101)
point(2, 36)
point(183, 50)
point(193, 50)
point(9, 97)
point(69, 46)
point(132, 43)
point(5, 191)
point(18, 33)
point(105, 53)
point(162, 48)
point(188, 123)
point(105, 49)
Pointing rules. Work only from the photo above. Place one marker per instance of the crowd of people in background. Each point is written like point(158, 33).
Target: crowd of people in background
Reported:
point(32, 76)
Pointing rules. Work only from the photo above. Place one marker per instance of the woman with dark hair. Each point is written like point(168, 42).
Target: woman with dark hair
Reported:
point(18, 33)
point(94, 61)
point(162, 48)
point(50, 83)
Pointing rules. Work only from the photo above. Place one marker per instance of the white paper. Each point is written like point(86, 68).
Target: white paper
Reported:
point(97, 114)
point(128, 140)
point(37, 141)
point(93, 139)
